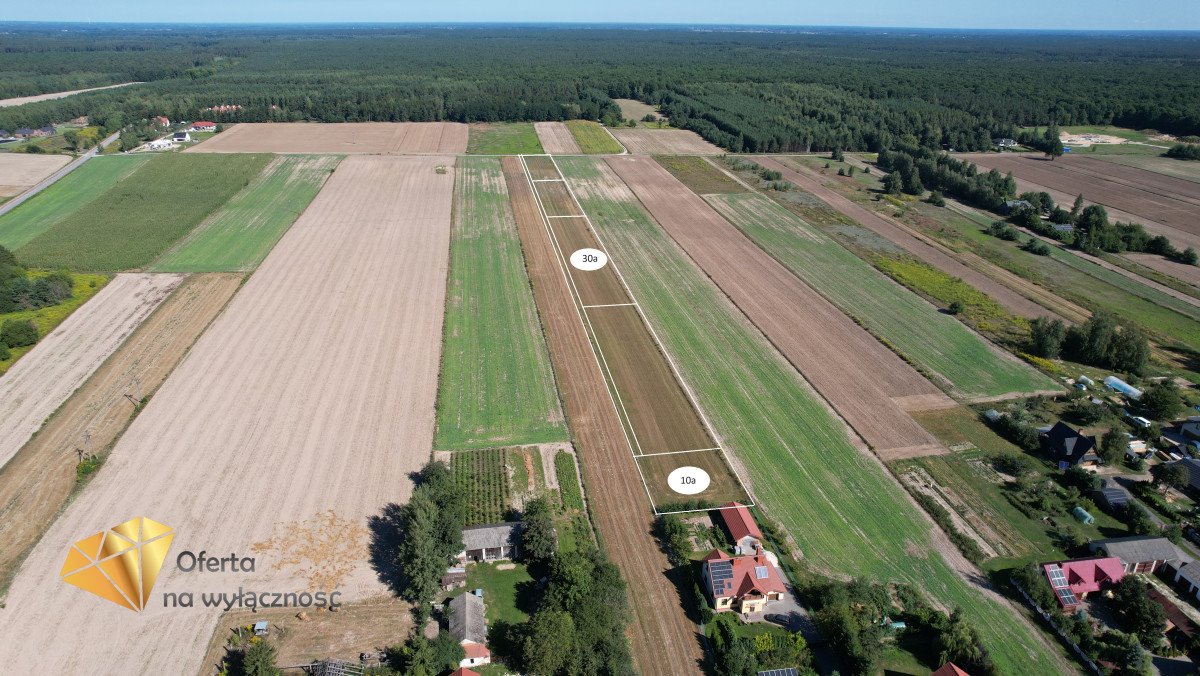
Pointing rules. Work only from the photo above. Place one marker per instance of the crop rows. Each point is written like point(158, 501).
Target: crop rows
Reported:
point(592, 138)
point(568, 481)
point(481, 476)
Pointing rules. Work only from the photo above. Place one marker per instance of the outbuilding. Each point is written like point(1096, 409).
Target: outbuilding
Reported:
point(1139, 553)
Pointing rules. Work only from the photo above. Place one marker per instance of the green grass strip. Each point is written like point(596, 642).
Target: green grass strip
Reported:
point(240, 234)
point(593, 139)
point(497, 387)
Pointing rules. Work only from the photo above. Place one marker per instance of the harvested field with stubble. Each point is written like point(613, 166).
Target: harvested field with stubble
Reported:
point(314, 390)
point(859, 376)
point(556, 138)
point(497, 387)
point(664, 142)
point(39, 479)
point(936, 342)
point(847, 515)
point(663, 640)
point(19, 171)
point(1012, 301)
point(41, 381)
point(343, 138)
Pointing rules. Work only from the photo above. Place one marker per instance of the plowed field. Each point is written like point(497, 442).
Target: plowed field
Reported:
point(664, 142)
point(346, 138)
point(19, 171)
point(556, 138)
point(314, 390)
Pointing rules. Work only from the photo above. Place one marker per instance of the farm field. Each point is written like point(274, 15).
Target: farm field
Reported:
point(47, 318)
point(1172, 202)
point(503, 138)
point(698, 174)
point(944, 260)
point(663, 640)
point(1153, 161)
point(60, 362)
point(19, 171)
point(866, 382)
point(324, 365)
point(39, 479)
point(497, 386)
point(1180, 271)
point(238, 235)
point(556, 199)
point(133, 222)
point(66, 196)
point(556, 138)
point(664, 142)
point(936, 342)
point(843, 509)
point(593, 139)
point(342, 138)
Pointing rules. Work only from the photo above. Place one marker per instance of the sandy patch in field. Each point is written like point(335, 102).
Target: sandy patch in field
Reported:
point(348, 138)
point(314, 390)
point(1088, 139)
point(664, 142)
point(556, 138)
point(19, 171)
point(854, 371)
point(36, 483)
point(632, 109)
point(43, 379)
point(21, 100)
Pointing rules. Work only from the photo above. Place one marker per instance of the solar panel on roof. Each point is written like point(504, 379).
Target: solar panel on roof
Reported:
point(1067, 597)
point(720, 570)
point(779, 672)
point(1058, 579)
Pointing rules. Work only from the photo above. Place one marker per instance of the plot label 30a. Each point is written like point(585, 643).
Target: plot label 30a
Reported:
point(589, 259)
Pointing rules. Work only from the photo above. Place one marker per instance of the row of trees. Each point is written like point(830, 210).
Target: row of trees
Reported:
point(19, 291)
point(919, 168)
point(1100, 341)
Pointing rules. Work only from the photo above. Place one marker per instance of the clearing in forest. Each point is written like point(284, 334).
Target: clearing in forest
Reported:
point(503, 138)
point(497, 387)
point(936, 342)
point(133, 222)
point(241, 233)
point(845, 512)
point(66, 196)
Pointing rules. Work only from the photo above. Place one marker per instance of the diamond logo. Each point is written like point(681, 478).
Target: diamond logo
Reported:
point(120, 564)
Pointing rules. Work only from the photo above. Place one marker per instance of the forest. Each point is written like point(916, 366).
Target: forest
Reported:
point(762, 91)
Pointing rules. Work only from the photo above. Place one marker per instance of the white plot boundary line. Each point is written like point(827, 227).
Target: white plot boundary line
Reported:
point(658, 343)
point(610, 305)
point(577, 302)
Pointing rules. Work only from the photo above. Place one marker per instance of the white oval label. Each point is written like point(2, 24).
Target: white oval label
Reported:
point(588, 259)
point(688, 480)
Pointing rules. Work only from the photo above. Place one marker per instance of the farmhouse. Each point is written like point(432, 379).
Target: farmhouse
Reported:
point(1139, 553)
point(463, 671)
point(181, 137)
point(1072, 581)
point(742, 584)
point(1012, 206)
point(1069, 447)
point(469, 626)
point(494, 542)
point(743, 531)
point(203, 126)
point(162, 121)
point(1004, 143)
point(949, 669)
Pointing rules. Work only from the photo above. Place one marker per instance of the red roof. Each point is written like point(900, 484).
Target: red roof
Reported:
point(716, 555)
point(949, 669)
point(751, 576)
point(476, 650)
point(463, 671)
point(1088, 575)
point(204, 124)
point(739, 522)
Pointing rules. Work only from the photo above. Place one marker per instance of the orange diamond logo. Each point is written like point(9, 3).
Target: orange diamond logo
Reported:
point(120, 564)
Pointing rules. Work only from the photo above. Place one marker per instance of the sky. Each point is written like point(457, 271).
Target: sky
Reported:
point(1036, 14)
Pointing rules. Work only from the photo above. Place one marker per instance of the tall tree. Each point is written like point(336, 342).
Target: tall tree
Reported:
point(538, 541)
point(549, 646)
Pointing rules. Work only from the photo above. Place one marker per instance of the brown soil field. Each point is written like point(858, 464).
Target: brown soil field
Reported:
point(664, 142)
point(659, 414)
point(1149, 197)
point(348, 138)
point(541, 168)
point(22, 100)
point(556, 199)
point(45, 377)
point(921, 248)
point(369, 626)
point(20, 171)
point(594, 287)
point(39, 479)
point(556, 138)
point(657, 468)
point(857, 374)
point(1180, 271)
point(314, 390)
point(663, 639)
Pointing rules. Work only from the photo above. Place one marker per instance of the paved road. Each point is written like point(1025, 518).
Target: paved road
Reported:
point(46, 182)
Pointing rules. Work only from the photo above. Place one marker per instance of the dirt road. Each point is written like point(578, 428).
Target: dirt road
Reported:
point(663, 639)
point(314, 390)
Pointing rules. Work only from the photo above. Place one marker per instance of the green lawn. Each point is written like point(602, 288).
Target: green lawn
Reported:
point(593, 139)
point(240, 234)
point(497, 387)
point(45, 319)
point(503, 138)
point(935, 342)
point(64, 197)
point(845, 512)
point(137, 219)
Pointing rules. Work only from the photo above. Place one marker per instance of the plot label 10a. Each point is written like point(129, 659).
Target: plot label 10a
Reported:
point(688, 480)
point(589, 259)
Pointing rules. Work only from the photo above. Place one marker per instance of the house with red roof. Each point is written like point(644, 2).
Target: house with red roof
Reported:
point(949, 669)
point(162, 121)
point(1072, 581)
point(203, 126)
point(747, 538)
point(463, 671)
point(742, 584)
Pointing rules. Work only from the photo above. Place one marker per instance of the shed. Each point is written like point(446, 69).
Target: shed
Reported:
point(493, 542)
point(1139, 553)
point(1112, 497)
